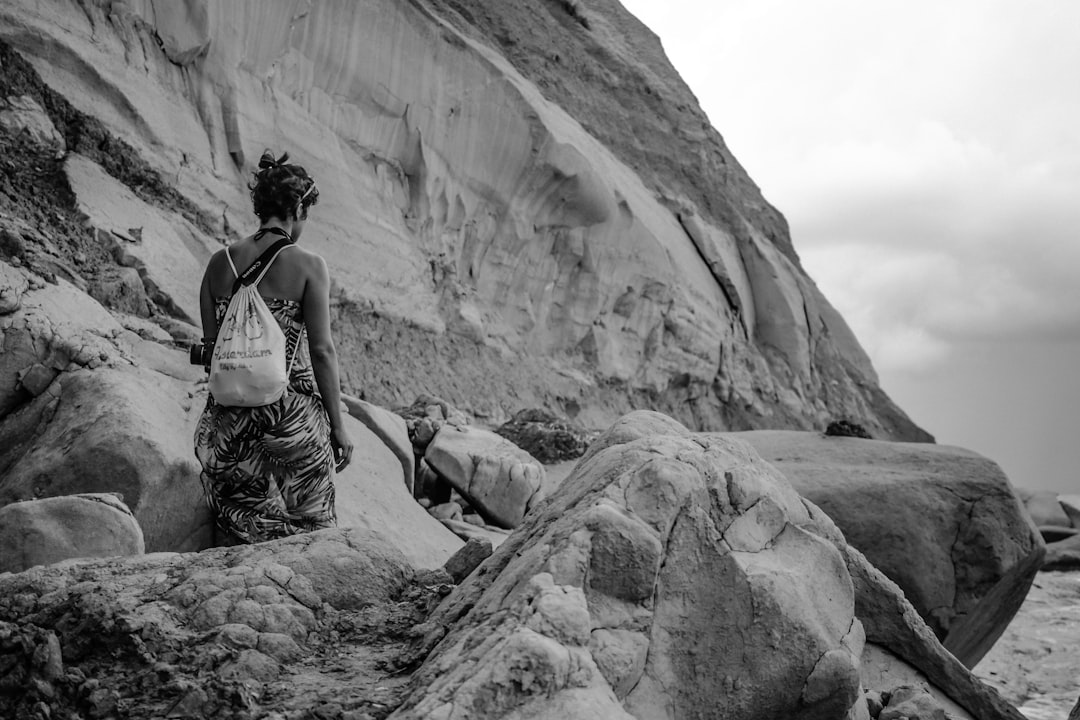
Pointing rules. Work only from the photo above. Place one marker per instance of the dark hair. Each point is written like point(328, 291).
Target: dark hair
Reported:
point(279, 186)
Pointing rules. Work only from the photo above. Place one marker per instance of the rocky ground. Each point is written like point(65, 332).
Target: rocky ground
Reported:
point(1035, 665)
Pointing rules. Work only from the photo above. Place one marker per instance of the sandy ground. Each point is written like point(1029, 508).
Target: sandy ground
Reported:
point(1036, 663)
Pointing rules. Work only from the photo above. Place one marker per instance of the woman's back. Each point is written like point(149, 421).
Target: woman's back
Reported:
point(285, 280)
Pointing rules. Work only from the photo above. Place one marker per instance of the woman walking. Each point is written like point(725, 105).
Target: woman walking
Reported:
point(268, 471)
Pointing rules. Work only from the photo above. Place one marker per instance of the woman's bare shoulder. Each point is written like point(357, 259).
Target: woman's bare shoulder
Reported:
point(310, 261)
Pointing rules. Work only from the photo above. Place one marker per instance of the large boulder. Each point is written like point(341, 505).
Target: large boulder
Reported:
point(670, 576)
point(1063, 554)
point(942, 522)
point(1043, 507)
point(40, 532)
point(389, 427)
point(201, 634)
point(500, 480)
point(371, 494)
point(113, 430)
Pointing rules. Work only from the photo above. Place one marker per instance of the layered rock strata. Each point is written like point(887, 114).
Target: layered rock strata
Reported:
point(485, 243)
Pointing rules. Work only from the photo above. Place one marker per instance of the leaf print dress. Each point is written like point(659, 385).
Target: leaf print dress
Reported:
point(268, 471)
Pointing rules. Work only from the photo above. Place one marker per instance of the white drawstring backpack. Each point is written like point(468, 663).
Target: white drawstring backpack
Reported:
point(248, 368)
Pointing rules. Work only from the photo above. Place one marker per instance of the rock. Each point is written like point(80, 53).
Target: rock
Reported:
point(1071, 505)
point(1063, 555)
point(36, 378)
point(499, 479)
point(874, 703)
point(390, 428)
point(200, 630)
point(144, 328)
point(912, 703)
point(40, 532)
point(465, 560)
point(1053, 533)
point(184, 30)
point(172, 254)
point(426, 416)
point(901, 648)
point(1074, 714)
point(545, 437)
point(121, 289)
point(446, 511)
point(670, 576)
point(1044, 508)
point(882, 673)
point(56, 325)
point(13, 285)
point(112, 430)
point(846, 428)
point(23, 113)
point(952, 509)
point(467, 531)
point(371, 495)
point(430, 486)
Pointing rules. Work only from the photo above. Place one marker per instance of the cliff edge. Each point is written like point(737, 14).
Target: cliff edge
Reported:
point(522, 203)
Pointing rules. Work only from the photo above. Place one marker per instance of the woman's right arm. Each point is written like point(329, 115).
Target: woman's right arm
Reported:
point(324, 364)
point(206, 302)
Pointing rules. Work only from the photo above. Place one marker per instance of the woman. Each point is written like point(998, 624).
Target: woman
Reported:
point(268, 471)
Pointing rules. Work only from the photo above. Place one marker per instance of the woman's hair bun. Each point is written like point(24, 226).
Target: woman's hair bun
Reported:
point(267, 161)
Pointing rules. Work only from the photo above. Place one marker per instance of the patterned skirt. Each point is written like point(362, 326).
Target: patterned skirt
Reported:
point(268, 471)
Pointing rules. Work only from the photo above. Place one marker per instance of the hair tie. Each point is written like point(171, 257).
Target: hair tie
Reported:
point(267, 161)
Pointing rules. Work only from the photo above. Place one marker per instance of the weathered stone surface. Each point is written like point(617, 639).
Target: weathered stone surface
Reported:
point(912, 703)
point(1063, 554)
point(388, 427)
point(40, 532)
point(545, 437)
point(952, 510)
point(500, 480)
point(198, 630)
point(121, 289)
point(168, 253)
point(891, 622)
point(508, 252)
point(670, 576)
point(14, 283)
point(1044, 507)
point(1071, 505)
point(882, 673)
point(22, 113)
point(371, 494)
point(183, 27)
point(55, 325)
point(468, 531)
point(465, 560)
point(1055, 533)
point(112, 430)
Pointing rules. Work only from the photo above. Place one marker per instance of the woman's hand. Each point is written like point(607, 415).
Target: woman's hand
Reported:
point(342, 446)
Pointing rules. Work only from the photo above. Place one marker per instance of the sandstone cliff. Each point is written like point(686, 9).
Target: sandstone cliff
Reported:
point(522, 203)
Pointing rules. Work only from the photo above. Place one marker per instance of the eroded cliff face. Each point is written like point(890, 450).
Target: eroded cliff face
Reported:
point(521, 202)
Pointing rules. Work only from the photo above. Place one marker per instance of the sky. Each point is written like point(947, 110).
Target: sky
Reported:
point(927, 158)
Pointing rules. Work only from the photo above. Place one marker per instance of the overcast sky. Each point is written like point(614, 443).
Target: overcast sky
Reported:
point(927, 158)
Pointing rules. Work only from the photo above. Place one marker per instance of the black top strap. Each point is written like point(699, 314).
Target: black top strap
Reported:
point(261, 232)
point(248, 276)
